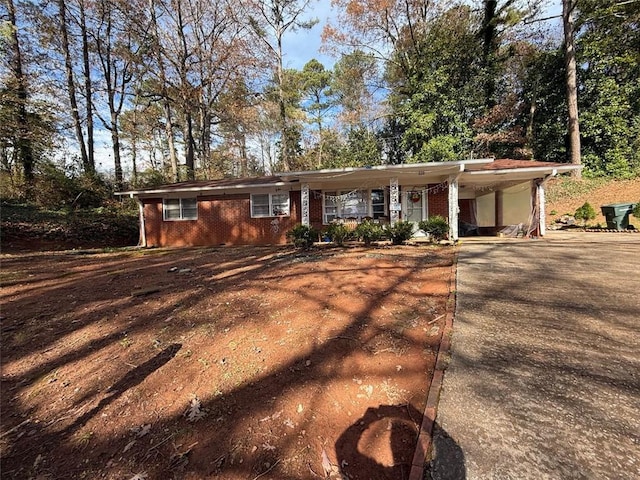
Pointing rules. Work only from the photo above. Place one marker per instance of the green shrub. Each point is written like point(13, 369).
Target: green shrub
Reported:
point(303, 236)
point(399, 232)
point(57, 188)
point(338, 233)
point(585, 213)
point(636, 210)
point(437, 227)
point(368, 232)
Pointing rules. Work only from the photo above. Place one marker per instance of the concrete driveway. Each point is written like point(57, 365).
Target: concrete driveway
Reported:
point(544, 377)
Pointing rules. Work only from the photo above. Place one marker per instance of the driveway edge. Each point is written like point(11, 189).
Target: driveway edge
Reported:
point(423, 444)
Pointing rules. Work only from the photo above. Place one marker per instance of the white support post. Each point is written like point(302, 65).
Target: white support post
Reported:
point(304, 200)
point(394, 201)
point(541, 202)
point(454, 208)
point(142, 242)
point(541, 210)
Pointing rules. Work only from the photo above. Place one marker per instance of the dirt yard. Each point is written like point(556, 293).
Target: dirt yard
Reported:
point(564, 198)
point(234, 363)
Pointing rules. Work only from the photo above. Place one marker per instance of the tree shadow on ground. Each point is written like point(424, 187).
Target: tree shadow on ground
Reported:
point(253, 399)
point(130, 379)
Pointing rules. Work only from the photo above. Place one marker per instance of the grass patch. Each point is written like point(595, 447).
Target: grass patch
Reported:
point(567, 188)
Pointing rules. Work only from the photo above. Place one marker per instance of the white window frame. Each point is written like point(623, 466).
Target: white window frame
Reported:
point(271, 204)
point(338, 205)
point(182, 209)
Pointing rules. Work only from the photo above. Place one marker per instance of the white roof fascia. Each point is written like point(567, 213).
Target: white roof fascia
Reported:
point(506, 171)
point(388, 168)
point(203, 189)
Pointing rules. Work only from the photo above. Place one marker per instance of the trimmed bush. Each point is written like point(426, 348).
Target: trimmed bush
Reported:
point(368, 232)
point(437, 227)
point(636, 210)
point(585, 213)
point(338, 233)
point(399, 232)
point(302, 236)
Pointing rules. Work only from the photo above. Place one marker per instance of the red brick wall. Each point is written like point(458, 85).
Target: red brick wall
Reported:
point(315, 210)
point(221, 220)
point(439, 202)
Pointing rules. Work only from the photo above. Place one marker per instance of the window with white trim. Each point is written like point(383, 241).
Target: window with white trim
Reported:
point(354, 204)
point(179, 209)
point(269, 204)
point(378, 204)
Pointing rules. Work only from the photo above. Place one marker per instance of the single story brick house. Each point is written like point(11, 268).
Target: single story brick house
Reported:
point(479, 196)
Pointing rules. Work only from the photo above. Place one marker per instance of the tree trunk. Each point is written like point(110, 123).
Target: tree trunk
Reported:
point(90, 167)
point(134, 161)
point(572, 89)
point(71, 88)
point(104, 44)
point(115, 139)
point(168, 126)
point(282, 106)
point(168, 129)
point(189, 144)
point(530, 124)
point(24, 146)
point(489, 48)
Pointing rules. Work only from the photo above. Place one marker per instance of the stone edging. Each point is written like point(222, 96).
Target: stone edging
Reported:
point(423, 445)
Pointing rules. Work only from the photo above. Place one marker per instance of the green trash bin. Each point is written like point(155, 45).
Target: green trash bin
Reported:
point(617, 215)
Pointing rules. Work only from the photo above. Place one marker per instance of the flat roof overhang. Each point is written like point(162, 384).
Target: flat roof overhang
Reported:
point(416, 172)
point(482, 171)
point(512, 175)
point(385, 171)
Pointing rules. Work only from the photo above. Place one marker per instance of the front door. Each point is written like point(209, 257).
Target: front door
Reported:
point(414, 209)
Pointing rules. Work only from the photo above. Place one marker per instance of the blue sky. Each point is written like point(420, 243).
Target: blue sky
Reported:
point(304, 45)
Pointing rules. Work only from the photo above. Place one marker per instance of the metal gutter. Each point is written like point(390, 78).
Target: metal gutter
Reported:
point(131, 193)
point(505, 171)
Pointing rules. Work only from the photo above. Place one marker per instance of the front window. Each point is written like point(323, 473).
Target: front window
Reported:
point(330, 207)
point(378, 206)
point(180, 209)
point(354, 204)
point(269, 204)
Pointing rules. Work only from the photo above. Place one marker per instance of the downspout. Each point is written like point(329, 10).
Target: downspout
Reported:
point(142, 242)
point(454, 207)
point(541, 202)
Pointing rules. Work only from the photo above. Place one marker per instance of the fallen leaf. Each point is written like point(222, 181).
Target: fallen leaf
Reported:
point(195, 411)
point(144, 430)
point(140, 476)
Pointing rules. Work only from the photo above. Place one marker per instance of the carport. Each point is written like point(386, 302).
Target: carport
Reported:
point(505, 195)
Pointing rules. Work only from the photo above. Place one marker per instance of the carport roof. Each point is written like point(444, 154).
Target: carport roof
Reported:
point(508, 170)
point(485, 170)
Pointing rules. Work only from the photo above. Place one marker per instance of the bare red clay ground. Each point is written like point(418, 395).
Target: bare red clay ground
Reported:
point(246, 363)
